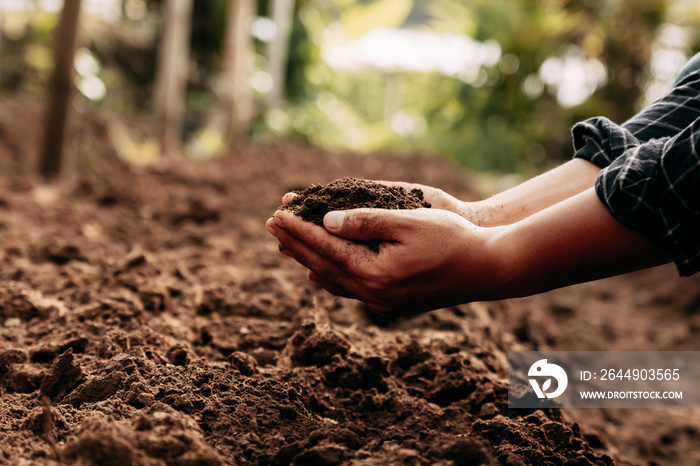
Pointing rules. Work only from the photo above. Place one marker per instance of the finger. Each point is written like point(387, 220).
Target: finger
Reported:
point(314, 278)
point(400, 184)
point(332, 248)
point(318, 261)
point(287, 198)
point(285, 252)
point(438, 198)
point(371, 224)
point(269, 226)
point(427, 190)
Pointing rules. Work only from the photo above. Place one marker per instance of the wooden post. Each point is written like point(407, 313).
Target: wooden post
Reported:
point(282, 14)
point(238, 100)
point(173, 66)
point(61, 88)
point(2, 23)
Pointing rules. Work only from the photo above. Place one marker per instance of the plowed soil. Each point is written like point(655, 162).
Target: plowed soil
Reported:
point(147, 318)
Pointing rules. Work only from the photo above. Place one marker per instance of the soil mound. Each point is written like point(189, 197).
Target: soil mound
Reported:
point(314, 202)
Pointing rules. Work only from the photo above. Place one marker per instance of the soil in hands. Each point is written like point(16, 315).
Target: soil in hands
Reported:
point(314, 202)
point(317, 200)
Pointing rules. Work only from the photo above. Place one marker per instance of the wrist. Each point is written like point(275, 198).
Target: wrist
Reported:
point(478, 213)
point(488, 267)
point(505, 263)
point(488, 213)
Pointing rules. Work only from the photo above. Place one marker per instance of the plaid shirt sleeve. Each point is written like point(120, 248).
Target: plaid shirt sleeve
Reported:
point(650, 176)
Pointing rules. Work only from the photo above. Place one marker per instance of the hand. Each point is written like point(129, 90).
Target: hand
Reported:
point(427, 259)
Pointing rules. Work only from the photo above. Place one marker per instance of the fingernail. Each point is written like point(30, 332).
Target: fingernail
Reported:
point(334, 220)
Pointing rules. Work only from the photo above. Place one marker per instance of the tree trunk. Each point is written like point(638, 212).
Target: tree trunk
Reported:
point(61, 88)
point(282, 13)
point(238, 100)
point(171, 78)
point(2, 22)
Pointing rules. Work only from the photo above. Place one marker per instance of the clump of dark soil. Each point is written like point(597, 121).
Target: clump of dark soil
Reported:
point(314, 202)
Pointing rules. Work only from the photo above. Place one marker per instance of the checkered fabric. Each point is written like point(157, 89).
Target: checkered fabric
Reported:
point(650, 176)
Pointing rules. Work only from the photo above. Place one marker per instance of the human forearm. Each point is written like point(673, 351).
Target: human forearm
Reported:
point(516, 203)
point(571, 242)
point(534, 195)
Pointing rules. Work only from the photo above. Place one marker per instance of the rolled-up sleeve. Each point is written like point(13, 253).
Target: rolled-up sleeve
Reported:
point(652, 187)
point(601, 141)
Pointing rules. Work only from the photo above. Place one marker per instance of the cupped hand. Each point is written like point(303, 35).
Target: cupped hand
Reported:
point(427, 259)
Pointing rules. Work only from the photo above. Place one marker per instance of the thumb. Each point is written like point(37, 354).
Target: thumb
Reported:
point(366, 224)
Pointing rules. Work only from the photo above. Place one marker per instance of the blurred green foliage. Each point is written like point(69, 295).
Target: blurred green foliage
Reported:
point(27, 46)
point(506, 116)
point(492, 124)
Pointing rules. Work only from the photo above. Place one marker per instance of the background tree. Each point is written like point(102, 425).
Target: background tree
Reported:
point(173, 71)
point(281, 13)
point(60, 90)
point(238, 99)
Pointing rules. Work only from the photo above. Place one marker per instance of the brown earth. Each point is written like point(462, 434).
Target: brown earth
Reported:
point(147, 318)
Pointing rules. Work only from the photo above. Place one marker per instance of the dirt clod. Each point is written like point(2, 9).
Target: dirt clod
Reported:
point(314, 347)
point(244, 362)
point(65, 375)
